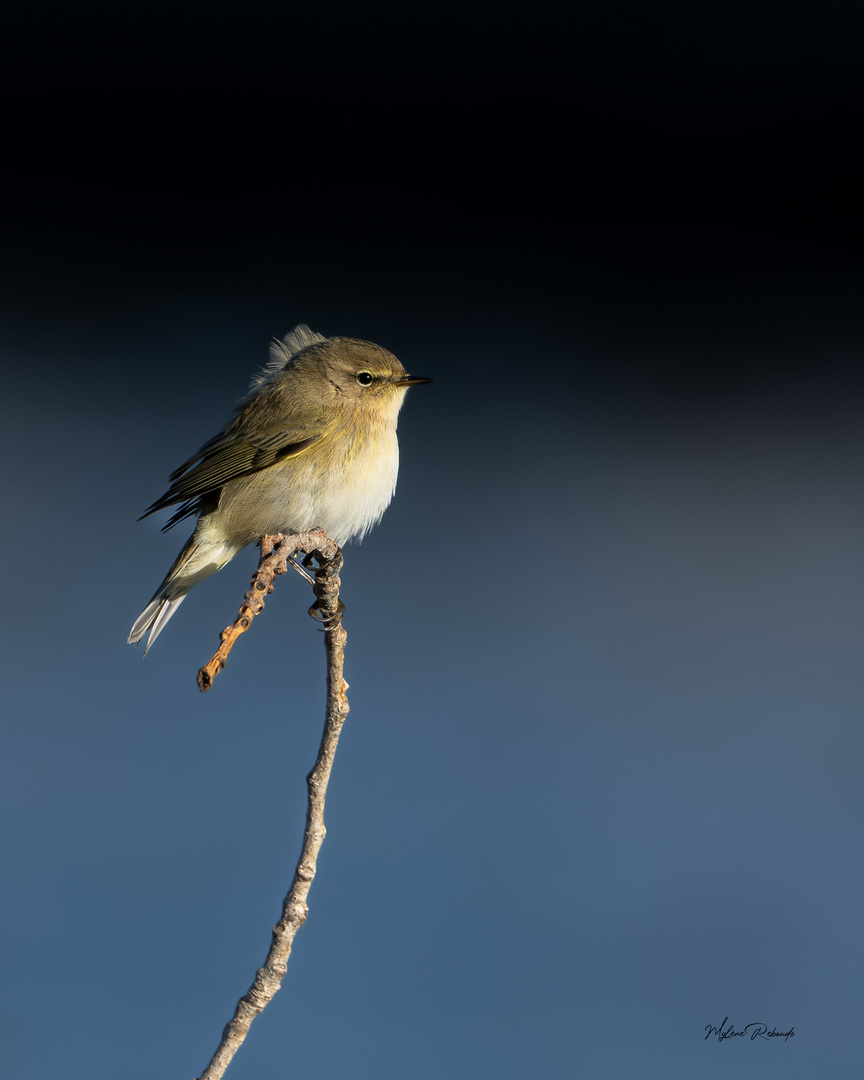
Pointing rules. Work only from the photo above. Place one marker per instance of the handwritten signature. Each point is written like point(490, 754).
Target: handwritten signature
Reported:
point(755, 1031)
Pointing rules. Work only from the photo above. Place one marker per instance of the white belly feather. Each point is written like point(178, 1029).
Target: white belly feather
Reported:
point(343, 495)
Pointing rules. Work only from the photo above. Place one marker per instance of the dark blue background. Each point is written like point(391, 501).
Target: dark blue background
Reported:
point(600, 783)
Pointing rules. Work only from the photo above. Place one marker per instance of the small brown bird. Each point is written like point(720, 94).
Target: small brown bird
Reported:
point(314, 445)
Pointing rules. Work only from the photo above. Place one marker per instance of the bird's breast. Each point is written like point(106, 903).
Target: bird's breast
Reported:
point(341, 484)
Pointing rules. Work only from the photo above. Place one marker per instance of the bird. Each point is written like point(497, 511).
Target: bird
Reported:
point(313, 445)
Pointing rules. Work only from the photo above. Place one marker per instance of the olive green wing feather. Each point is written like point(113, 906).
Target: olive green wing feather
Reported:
point(243, 448)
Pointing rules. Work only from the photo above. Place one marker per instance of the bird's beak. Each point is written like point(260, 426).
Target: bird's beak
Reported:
point(410, 380)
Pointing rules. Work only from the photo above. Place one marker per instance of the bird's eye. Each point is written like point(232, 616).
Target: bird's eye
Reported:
point(364, 378)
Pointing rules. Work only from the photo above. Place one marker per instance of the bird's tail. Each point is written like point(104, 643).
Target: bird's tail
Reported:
point(154, 618)
point(197, 561)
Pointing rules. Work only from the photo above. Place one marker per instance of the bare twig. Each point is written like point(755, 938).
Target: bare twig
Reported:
point(294, 909)
point(275, 554)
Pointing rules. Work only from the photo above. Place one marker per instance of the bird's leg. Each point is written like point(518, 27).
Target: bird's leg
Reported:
point(300, 570)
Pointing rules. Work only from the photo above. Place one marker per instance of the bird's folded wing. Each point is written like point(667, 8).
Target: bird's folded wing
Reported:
point(227, 457)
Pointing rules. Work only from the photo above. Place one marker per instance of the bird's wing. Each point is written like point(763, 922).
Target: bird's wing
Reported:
point(263, 435)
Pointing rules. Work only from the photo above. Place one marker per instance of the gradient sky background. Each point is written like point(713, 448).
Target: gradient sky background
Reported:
point(600, 785)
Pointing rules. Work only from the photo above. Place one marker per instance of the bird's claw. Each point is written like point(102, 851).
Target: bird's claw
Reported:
point(330, 621)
